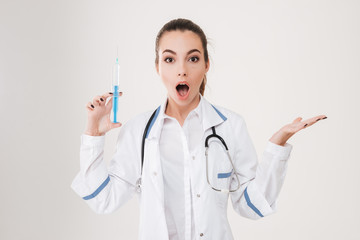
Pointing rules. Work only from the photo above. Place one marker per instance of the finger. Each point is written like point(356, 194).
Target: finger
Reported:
point(313, 120)
point(110, 95)
point(90, 106)
point(296, 125)
point(109, 103)
point(321, 117)
point(316, 118)
point(107, 95)
point(98, 100)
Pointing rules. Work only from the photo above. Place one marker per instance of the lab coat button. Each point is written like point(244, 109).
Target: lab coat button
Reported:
point(198, 195)
point(193, 157)
point(201, 234)
point(155, 173)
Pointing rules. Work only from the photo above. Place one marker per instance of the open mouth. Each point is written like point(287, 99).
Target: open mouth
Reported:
point(182, 89)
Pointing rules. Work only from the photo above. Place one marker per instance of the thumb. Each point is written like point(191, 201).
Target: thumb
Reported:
point(115, 125)
point(297, 119)
point(109, 105)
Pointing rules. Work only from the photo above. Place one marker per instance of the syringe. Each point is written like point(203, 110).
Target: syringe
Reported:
point(115, 89)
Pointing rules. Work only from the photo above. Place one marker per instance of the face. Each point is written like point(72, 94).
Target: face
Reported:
point(181, 65)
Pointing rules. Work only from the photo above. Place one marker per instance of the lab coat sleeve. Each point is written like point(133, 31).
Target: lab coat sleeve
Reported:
point(106, 188)
point(260, 183)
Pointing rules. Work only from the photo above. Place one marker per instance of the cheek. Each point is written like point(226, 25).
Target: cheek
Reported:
point(198, 75)
point(166, 73)
point(166, 78)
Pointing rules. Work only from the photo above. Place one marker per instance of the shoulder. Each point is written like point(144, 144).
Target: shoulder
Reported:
point(138, 123)
point(132, 130)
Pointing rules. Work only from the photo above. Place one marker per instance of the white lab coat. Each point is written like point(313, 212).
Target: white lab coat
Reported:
point(107, 188)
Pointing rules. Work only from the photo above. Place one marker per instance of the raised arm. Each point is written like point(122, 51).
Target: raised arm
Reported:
point(105, 188)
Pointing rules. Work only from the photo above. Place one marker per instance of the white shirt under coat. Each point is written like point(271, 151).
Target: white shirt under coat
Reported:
point(178, 148)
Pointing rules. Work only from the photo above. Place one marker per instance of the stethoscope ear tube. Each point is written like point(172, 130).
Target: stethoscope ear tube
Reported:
point(217, 136)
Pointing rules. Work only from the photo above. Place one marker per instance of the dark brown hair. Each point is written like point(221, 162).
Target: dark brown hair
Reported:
point(183, 25)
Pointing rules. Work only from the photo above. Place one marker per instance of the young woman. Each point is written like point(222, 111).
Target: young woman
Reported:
point(195, 154)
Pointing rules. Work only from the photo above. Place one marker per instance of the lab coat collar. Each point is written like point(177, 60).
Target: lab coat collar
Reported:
point(211, 116)
point(208, 113)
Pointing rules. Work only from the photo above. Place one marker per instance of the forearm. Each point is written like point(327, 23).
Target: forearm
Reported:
point(271, 171)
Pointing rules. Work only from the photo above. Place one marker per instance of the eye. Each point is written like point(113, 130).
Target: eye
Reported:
point(169, 60)
point(194, 59)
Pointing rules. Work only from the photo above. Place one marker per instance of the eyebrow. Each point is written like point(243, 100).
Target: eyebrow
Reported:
point(189, 52)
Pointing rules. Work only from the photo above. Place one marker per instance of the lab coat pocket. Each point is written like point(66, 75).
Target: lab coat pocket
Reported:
point(222, 184)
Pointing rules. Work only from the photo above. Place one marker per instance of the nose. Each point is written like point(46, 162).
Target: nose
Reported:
point(182, 70)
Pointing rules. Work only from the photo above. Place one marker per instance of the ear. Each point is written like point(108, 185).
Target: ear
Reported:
point(207, 66)
point(157, 68)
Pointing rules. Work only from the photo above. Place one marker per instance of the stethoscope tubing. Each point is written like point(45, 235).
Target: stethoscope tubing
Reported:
point(228, 154)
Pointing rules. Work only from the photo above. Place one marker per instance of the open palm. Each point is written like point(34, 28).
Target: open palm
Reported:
point(281, 136)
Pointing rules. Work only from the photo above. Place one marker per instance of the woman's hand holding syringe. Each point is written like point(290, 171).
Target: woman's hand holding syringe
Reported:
point(99, 111)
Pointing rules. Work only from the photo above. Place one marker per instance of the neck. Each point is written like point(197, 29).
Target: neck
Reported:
point(181, 112)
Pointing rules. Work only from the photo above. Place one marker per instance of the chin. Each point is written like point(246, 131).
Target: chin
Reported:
point(189, 99)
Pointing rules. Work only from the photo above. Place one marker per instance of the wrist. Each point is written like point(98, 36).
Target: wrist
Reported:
point(280, 138)
point(92, 128)
point(92, 132)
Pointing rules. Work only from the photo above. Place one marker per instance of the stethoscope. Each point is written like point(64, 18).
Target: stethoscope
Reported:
point(213, 135)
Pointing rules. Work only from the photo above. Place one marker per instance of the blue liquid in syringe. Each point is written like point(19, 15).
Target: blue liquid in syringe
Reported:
point(115, 102)
point(115, 89)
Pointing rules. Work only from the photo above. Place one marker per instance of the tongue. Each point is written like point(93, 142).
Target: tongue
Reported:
point(183, 90)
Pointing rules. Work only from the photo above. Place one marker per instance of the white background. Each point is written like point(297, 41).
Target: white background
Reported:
point(271, 61)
